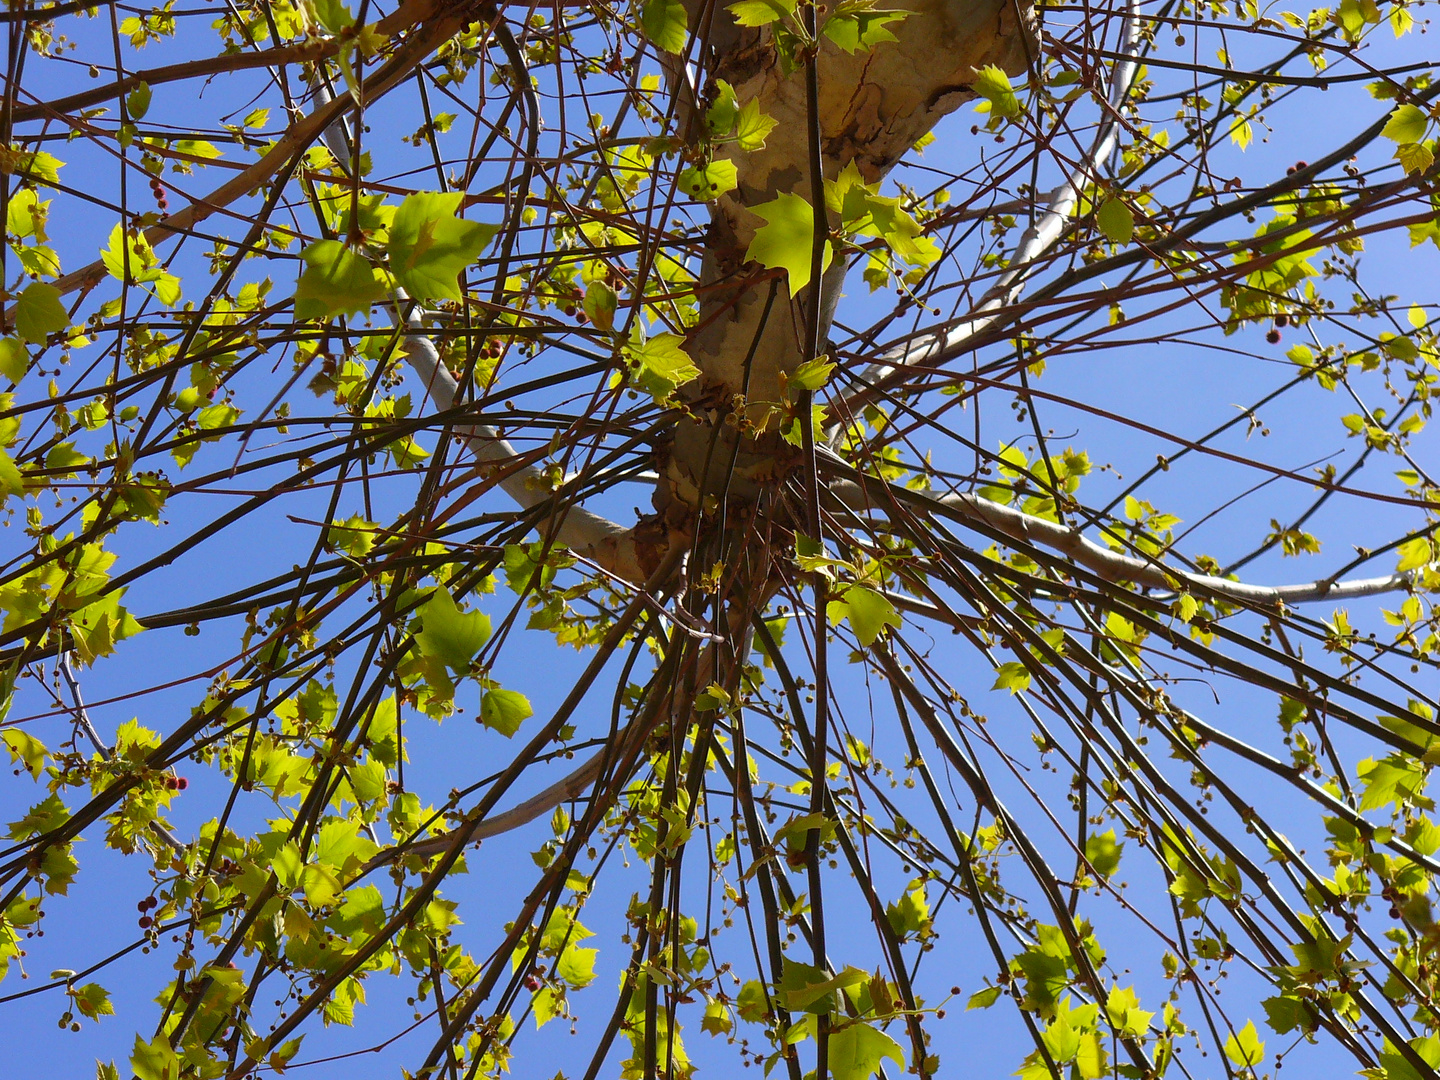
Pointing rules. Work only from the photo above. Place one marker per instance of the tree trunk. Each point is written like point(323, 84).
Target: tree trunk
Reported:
point(872, 107)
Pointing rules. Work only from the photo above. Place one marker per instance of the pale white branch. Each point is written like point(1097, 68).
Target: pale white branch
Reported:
point(587, 533)
point(1040, 237)
point(1113, 565)
point(594, 537)
point(562, 791)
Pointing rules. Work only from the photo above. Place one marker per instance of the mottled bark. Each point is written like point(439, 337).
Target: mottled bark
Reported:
point(872, 107)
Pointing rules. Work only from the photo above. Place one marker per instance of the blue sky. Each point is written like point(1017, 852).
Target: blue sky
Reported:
point(1187, 387)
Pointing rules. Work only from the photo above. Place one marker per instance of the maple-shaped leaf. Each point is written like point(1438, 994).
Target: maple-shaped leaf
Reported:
point(429, 246)
point(786, 241)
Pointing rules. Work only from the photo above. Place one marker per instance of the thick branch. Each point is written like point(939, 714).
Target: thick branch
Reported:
point(585, 532)
point(1099, 560)
point(562, 791)
point(298, 52)
point(873, 106)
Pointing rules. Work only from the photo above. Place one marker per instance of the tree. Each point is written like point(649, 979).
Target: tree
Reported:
point(338, 435)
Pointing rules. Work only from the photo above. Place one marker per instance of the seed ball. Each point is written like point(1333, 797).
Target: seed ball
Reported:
point(181, 783)
point(1273, 337)
point(146, 922)
point(1282, 320)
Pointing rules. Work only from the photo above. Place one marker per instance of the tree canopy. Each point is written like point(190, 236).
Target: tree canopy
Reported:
point(627, 539)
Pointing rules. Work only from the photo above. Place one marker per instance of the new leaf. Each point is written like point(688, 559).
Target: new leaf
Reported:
point(785, 242)
point(430, 247)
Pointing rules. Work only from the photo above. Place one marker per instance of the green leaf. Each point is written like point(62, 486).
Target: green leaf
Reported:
point(722, 115)
point(198, 148)
point(1116, 221)
point(14, 359)
point(857, 1050)
point(429, 246)
point(577, 966)
point(993, 85)
point(910, 915)
point(665, 24)
point(154, 1060)
point(93, 1000)
point(1397, 779)
point(332, 14)
point(709, 182)
point(1414, 157)
point(1013, 676)
point(505, 710)
point(39, 313)
point(1397, 1067)
point(712, 697)
point(449, 634)
point(1407, 124)
point(1103, 853)
point(98, 626)
point(807, 989)
point(137, 102)
point(856, 25)
point(983, 999)
point(867, 611)
point(812, 374)
point(1414, 554)
point(1245, 1048)
point(662, 363)
point(287, 865)
point(762, 12)
point(752, 126)
point(337, 281)
point(11, 480)
point(1123, 1009)
point(599, 304)
point(785, 241)
point(25, 748)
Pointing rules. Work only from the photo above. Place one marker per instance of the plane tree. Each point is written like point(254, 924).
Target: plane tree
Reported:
point(667, 424)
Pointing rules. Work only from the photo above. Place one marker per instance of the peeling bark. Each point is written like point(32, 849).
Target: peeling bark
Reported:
point(873, 106)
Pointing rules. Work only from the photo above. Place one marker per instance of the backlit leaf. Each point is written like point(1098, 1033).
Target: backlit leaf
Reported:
point(785, 242)
point(337, 281)
point(449, 634)
point(40, 313)
point(429, 246)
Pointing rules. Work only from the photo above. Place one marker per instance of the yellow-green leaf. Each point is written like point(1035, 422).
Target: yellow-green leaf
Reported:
point(785, 242)
point(337, 281)
point(39, 313)
point(1407, 124)
point(665, 23)
point(1116, 221)
point(505, 710)
point(1245, 1048)
point(429, 246)
point(1414, 553)
point(449, 634)
point(761, 12)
